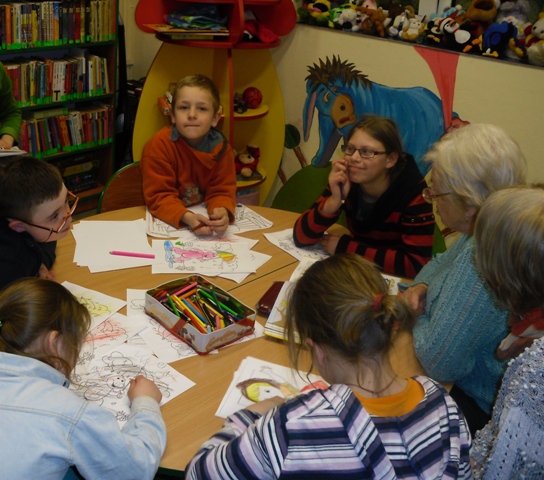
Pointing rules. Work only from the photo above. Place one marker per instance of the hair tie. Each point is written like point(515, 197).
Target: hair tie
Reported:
point(377, 300)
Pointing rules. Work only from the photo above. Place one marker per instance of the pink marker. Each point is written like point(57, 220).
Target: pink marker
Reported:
point(132, 254)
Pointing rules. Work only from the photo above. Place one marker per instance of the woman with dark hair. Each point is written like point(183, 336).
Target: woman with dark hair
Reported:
point(378, 186)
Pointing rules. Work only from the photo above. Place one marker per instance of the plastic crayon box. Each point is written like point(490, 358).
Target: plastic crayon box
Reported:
point(199, 313)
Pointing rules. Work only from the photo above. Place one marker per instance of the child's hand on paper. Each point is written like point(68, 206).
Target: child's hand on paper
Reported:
point(265, 406)
point(219, 220)
point(199, 224)
point(330, 242)
point(142, 386)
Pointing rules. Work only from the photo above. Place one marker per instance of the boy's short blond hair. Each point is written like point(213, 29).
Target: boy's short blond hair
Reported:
point(25, 183)
point(201, 81)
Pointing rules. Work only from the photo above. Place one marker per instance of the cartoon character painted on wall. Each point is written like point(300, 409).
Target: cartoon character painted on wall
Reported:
point(343, 95)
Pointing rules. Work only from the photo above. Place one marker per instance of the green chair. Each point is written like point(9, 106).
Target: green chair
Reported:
point(123, 190)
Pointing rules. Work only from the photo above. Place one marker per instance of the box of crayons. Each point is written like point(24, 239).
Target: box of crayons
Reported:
point(199, 313)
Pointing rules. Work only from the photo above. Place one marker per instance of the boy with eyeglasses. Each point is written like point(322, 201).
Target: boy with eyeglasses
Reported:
point(35, 211)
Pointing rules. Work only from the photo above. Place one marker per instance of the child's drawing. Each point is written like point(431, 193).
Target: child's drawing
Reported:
point(207, 258)
point(257, 380)
point(245, 220)
point(100, 306)
point(108, 378)
point(284, 240)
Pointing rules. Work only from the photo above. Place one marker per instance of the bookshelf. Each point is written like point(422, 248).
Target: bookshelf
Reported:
point(234, 65)
point(61, 57)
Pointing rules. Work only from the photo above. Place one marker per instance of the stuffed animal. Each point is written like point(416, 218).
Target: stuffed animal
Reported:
point(509, 10)
point(398, 17)
point(316, 13)
point(414, 29)
point(481, 13)
point(534, 38)
point(372, 21)
point(347, 19)
point(448, 33)
point(496, 39)
point(246, 162)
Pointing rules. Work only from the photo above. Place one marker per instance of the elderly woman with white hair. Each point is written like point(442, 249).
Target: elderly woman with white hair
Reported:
point(460, 322)
point(509, 238)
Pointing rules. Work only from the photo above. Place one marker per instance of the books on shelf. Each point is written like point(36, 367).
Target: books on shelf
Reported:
point(49, 23)
point(175, 33)
point(59, 130)
point(79, 173)
point(40, 80)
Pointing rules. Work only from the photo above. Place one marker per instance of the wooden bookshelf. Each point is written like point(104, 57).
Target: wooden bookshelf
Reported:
point(63, 55)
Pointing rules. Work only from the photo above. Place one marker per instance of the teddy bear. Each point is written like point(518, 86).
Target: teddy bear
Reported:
point(246, 162)
point(372, 20)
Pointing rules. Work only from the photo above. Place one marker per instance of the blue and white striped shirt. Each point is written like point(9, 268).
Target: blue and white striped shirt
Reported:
point(327, 434)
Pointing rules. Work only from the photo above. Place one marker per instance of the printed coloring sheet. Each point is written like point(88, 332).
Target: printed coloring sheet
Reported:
point(284, 240)
point(257, 380)
point(207, 258)
point(100, 305)
point(245, 220)
point(107, 378)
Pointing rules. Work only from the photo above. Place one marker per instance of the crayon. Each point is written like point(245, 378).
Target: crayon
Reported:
point(194, 320)
point(193, 309)
point(132, 254)
point(172, 304)
point(198, 227)
point(218, 294)
point(185, 288)
point(342, 196)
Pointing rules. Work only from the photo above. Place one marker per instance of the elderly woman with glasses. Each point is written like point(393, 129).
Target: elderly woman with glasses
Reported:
point(378, 186)
point(461, 323)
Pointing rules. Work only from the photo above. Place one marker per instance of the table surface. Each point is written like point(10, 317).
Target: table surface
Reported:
point(190, 417)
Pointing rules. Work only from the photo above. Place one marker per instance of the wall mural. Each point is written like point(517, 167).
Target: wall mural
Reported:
point(342, 96)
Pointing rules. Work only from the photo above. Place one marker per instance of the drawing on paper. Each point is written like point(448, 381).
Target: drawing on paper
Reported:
point(245, 220)
point(186, 256)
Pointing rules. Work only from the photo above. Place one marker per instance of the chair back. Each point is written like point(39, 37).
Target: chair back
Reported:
point(124, 189)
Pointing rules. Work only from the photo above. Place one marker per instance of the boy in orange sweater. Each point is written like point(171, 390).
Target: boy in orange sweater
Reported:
point(191, 162)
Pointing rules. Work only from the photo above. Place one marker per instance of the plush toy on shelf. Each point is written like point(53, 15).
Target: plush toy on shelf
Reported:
point(414, 30)
point(246, 163)
point(372, 21)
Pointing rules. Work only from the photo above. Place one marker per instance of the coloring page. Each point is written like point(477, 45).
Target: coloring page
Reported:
point(188, 236)
point(207, 258)
point(113, 331)
point(256, 380)
point(284, 240)
point(108, 378)
point(245, 220)
point(258, 259)
point(100, 306)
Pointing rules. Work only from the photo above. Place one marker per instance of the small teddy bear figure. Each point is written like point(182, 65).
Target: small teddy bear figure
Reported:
point(246, 162)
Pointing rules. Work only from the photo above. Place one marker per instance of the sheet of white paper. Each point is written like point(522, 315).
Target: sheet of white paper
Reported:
point(207, 258)
point(303, 265)
point(95, 240)
point(11, 152)
point(245, 220)
point(284, 240)
point(107, 380)
point(258, 259)
point(100, 305)
point(281, 381)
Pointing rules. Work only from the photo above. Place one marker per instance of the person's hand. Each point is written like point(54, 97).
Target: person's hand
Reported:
point(143, 386)
point(6, 141)
point(339, 184)
point(330, 242)
point(199, 224)
point(44, 272)
point(265, 406)
point(416, 297)
point(219, 220)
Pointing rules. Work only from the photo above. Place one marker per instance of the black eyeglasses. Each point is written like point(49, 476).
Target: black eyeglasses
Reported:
point(363, 152)
point(429, 197)
point(70, 200)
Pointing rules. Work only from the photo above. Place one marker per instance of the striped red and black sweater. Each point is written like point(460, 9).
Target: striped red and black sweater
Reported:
point(397, 234)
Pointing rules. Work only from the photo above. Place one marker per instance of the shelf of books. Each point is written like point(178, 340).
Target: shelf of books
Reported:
point(61, 58)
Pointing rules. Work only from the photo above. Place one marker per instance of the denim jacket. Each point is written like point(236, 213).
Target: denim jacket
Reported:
point(46, 428)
